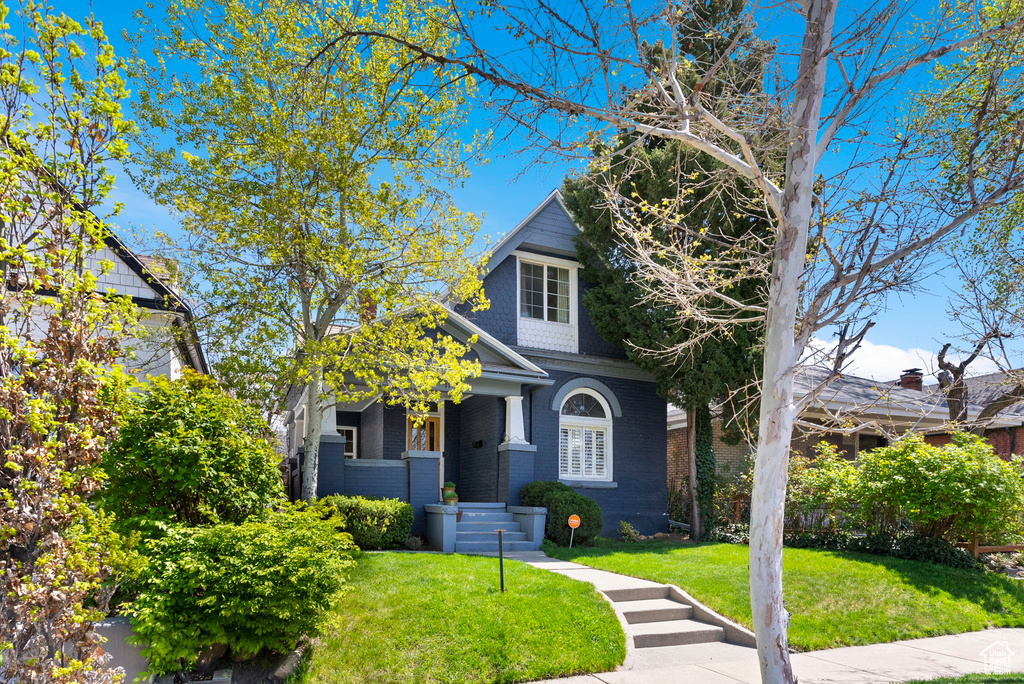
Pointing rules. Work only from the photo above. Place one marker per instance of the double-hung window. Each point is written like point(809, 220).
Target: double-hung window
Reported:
point(543, 292)
point(349, 433)
point(584, 438)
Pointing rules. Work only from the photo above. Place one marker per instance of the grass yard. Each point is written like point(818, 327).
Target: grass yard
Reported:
point(975, 679)
point(432, 618)
point(834, 599)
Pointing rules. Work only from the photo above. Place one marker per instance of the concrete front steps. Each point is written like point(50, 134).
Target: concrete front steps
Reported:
point(476, 530)
point(656, 618)
point(664, 626)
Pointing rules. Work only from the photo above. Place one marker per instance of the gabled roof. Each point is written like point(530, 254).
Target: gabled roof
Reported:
point(165, 299)
point(984, 389)
point(863, 400)
point(548, 228)
point(494, 355)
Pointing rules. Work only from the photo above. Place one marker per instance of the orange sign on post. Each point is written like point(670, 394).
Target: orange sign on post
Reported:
point(574, 522)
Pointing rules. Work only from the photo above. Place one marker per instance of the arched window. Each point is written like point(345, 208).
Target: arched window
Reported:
point(585, 437)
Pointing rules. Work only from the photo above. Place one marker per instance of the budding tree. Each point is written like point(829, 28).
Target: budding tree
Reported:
point(61, 124)
point(311, 173)
point(866, 192)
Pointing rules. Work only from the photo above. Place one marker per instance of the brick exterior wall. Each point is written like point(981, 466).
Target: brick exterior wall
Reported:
point(678, 464)
point(729, 458)
point(452, 441)
point(478, 480)
point(638, 447)
point(1005, 442)
point(371, 440)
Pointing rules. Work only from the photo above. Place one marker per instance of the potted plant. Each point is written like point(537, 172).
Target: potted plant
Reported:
point(448, 488)
point(450, 498)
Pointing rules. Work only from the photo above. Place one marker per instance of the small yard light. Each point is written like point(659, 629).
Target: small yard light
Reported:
point(501, 560)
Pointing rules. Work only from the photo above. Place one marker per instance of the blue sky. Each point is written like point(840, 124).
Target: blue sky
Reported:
point(510, 185)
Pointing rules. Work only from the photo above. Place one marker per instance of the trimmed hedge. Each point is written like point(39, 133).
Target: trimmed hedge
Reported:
point(373, 523)
point(560, 506)
point(261, 584)
point(537, 493)
point(908, 546)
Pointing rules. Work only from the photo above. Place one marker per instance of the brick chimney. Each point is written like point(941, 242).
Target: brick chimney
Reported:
point(913, 379)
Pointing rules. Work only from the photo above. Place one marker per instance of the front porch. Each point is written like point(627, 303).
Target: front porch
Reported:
point(473, 527)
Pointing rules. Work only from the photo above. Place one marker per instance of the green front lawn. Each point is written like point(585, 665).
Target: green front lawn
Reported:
point(974, 679)
point(834, 599)
point(435, 618)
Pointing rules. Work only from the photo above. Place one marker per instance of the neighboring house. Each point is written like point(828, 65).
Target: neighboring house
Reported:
point(168, 341)
point(555, 401)
point(858, 414)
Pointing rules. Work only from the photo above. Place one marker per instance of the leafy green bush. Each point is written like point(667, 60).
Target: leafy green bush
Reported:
point(537, 493)
point(562, 505)
point(820, 491)
point(731, 534)
point(373, 523)
point(187, 452)
point(933, 550)
point(628, 532)
point(264, 583)
point(958, 489)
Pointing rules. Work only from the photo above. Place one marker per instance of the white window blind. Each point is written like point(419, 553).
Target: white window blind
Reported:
point(582, 452)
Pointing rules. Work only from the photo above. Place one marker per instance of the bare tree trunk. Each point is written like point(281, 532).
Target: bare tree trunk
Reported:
point(781, 354)
point(311, 440)
point(696, 530)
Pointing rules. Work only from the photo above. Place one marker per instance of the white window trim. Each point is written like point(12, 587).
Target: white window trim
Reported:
point(585, 422)
point(355, 438)
point(573, 268)
point(439, 413)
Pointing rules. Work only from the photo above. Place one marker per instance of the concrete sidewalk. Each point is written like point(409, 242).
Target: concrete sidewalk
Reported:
point(945, 656)
point(728, 663)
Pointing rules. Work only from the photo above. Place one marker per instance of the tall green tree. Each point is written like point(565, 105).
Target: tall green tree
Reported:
point(311, 172)
point(652, 170)
point(61, 127)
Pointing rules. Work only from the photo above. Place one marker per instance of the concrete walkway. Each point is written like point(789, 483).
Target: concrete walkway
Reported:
point(729, 663)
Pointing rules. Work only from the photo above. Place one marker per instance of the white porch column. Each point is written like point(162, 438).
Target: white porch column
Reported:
point(515, 432)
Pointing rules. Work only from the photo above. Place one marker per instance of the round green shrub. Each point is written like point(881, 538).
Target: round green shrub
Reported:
point(373, 523)
point(958, 489)
point(261, 584)
point(560, 506)
point(188, 452)
point(537, 493)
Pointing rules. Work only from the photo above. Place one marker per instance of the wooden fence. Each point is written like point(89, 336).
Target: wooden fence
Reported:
point(976, 549)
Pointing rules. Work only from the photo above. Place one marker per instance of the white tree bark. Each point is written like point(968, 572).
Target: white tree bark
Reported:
point(314, 427)
point(781, 355)
point(696, 529)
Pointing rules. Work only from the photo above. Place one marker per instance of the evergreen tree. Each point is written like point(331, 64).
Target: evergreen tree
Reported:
point(650, 169)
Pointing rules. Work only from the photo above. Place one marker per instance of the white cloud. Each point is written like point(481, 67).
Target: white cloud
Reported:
point(885, 362)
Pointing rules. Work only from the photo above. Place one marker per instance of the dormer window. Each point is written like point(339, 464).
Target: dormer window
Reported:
point(547, 302)
point(544, 292)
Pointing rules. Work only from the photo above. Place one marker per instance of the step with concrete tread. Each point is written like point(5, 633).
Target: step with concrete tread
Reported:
point(486, 517)
point(489, 536)
point(675, 633)
point(655, 610)
point(486, 546)
point(656, 591)
point(487, 526)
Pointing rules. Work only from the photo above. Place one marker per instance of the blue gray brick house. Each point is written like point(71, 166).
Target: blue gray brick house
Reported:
point(554, 401)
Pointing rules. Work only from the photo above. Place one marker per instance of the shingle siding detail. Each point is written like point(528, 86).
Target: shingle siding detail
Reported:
point(500, 288)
